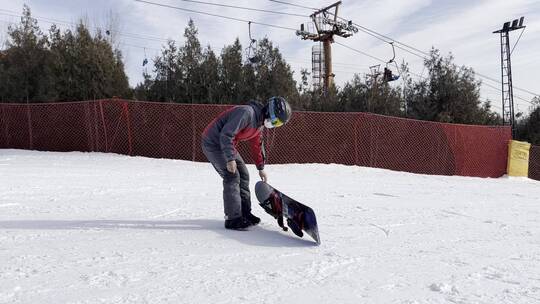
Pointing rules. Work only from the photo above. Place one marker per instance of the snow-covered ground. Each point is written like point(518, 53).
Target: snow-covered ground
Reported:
point(104, 228)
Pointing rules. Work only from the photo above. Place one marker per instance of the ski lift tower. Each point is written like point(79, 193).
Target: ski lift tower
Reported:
point(326, 27)
point(506, 72)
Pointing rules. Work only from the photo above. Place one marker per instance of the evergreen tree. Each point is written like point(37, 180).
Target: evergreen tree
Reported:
point(303, 101)
point(190, 59)
point(189, 74)
point(274, 75)
point(230, 73)
point(449, 94)
point(248, 90)
point(304, 84)
point(354, 96)
point(144, 90)
point(167, 86)
point(86, 67)
point(376, 97)
point(26, 75)
point(529, 127)
point(325, 101)
point(209, 77)
point(61, 67)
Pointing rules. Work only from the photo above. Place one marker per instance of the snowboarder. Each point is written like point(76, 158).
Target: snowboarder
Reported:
point(219, 139)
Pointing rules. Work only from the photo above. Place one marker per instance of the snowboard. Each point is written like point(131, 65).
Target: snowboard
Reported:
point(299, 217)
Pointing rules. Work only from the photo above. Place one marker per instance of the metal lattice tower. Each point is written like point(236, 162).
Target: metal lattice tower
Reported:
point(326, 25)
point(506, 79)
point(317, 66)
point(506, 73)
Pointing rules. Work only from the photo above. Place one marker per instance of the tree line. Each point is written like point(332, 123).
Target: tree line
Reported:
point(75, 64)
point(65, 65)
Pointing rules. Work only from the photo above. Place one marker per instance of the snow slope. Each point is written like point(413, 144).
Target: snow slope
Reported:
point(104, 228)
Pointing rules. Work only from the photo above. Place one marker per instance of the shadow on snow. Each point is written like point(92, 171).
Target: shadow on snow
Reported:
point(257, 236)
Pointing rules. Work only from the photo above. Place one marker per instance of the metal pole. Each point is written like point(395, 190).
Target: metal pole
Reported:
point(502, 81)
point(328, 77)
point(510, 86)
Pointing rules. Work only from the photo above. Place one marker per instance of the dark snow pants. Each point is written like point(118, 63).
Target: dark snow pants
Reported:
point(236, 195)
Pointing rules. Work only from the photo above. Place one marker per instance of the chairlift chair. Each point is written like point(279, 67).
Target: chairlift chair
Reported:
point(145, 60)
point(388, 75)
point(251, 50)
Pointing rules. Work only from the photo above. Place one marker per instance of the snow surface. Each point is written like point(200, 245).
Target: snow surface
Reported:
point(105, 228)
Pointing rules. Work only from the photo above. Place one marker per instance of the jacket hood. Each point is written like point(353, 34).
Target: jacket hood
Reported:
point(259, 110)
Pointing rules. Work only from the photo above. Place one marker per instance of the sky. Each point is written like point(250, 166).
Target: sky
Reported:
point(462, 28)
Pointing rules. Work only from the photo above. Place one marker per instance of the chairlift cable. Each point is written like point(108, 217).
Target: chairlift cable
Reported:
point(228, 6)
point(216, 15)
point(297, 5)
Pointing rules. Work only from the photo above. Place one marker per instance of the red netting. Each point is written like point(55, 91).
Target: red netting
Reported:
point(165, 130)
point(534, 162)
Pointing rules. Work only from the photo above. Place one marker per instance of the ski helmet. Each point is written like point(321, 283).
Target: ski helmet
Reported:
point(278, 112)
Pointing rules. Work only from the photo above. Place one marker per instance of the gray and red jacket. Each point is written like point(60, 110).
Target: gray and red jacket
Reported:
point(240, 123)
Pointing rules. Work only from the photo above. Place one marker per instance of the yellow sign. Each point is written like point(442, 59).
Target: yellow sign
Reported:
point(518, 158)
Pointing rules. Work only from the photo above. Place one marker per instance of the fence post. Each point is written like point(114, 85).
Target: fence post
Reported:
point(95, 124)
point(89, 127)
point(30, 134)
point(194, 131)
point(126, 113)
point(4, 126)
point(355, 134)
point(104, 126)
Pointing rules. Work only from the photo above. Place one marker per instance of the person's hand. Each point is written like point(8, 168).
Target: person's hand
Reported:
point(263, 175)
point(231, 166)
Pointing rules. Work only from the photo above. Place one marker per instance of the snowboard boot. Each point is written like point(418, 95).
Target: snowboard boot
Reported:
point(252, 219)
point(237, 224)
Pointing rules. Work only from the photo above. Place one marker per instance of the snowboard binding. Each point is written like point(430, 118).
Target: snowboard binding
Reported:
point(300, 218)
point(274, 207)
point(297, 223)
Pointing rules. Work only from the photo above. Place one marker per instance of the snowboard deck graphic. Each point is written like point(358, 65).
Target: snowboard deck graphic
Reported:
point(299, 217)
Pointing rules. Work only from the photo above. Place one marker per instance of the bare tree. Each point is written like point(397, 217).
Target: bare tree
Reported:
point(3, 35)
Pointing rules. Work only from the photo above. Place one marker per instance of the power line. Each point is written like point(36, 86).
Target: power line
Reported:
point(341, 64)
point(361, 52)
point(376, 58)
point(498, 82)
point(216, 15)
point(139, 47)
point(297, 5)
point(426, 58)
point(420, 76)
point(422, 54)
point(120, 43)
point(367, 31)
point(389, 40)
point(239, 7)
point(499, 90)
point(147, 37)
point(63, 22)
point(364, 29)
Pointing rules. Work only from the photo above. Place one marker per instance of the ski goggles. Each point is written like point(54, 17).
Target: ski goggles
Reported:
point(276, 122)
point(273, 120)
point(273, 123)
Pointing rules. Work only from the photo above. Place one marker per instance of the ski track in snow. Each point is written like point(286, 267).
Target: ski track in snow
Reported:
point(105, 228)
